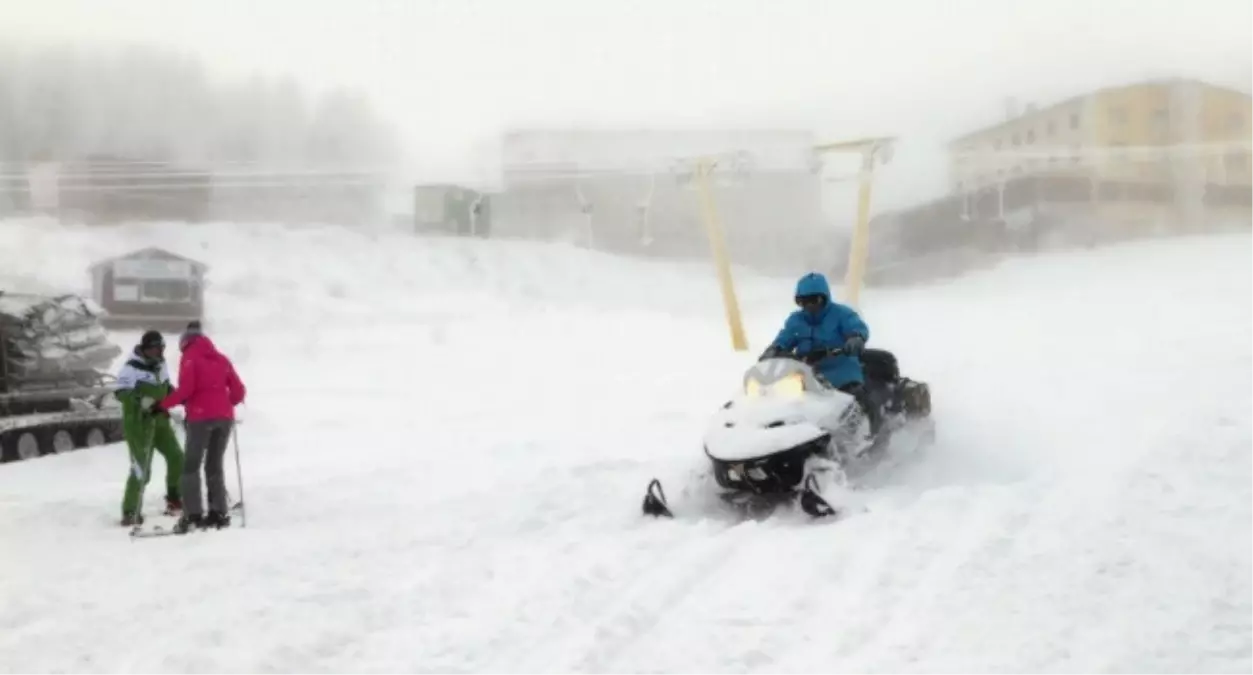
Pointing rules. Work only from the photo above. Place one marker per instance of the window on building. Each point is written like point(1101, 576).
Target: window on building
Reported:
point(1235, 121)
point(1074, 120)
point(1118, 115)
point(152, 290)
point(1031, 136)
point(1051, 128)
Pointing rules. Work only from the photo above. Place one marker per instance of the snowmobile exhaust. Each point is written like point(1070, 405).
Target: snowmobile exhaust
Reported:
point(655, 501)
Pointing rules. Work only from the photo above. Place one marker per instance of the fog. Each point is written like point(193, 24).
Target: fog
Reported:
point(155, 104)
point(452, 75)
point(422, 91)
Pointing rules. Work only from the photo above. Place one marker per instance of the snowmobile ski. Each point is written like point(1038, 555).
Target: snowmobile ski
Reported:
point(655, 501)
point(812, 503)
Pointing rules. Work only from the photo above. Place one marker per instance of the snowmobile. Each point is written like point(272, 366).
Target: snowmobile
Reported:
point(788, 431)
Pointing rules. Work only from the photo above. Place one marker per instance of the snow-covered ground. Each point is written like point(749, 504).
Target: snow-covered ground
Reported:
point(446, 444)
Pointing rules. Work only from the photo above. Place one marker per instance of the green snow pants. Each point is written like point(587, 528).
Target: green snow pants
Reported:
point(149, 433)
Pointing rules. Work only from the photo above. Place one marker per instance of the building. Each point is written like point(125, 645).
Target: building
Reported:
point(1120, 163)
point(108, 189)
point(149, 288)
point(632, 191)
point(451, 209)
point(1130, 133)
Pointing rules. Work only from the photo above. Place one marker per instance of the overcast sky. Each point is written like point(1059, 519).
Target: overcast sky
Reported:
point(453, 73)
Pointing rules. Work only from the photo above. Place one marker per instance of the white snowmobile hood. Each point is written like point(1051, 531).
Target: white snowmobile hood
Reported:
point(745, 443)
point(752, 427)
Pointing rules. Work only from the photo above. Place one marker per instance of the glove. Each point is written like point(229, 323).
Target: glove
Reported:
point(854, 344)
point(146, 403)
point(156, 409)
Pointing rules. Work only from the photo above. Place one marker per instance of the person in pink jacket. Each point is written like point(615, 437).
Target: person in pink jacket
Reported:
point(209, 389)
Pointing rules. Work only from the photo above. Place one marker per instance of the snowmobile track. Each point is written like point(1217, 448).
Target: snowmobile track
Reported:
point(595, 643)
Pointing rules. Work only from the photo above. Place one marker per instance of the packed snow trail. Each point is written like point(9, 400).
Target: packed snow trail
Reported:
point(446, 444)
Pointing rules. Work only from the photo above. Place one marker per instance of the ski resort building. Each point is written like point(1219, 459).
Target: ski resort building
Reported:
point(150, 288)
point(633, 192)
point(1120, 163)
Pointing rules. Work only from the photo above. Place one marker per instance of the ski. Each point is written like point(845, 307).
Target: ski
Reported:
point(161, 531)
point(156, 531)
point(143, 531)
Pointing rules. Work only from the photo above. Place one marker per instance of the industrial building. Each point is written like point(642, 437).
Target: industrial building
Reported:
point(634, 192)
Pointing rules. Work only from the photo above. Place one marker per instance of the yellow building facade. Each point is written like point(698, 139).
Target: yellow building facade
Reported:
point(1134, 133)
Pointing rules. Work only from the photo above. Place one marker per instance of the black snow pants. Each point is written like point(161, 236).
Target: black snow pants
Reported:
point(865, 398)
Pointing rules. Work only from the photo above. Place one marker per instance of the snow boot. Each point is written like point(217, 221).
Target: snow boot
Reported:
point(132, 519)
point(217, 520)
point(186, 523)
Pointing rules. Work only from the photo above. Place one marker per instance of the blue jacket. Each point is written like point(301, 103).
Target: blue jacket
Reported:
point(827, 328)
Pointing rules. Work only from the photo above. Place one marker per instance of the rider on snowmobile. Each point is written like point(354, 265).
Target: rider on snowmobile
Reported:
point(822, 325)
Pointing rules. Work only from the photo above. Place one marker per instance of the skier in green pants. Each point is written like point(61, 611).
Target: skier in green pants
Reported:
point(143, 381)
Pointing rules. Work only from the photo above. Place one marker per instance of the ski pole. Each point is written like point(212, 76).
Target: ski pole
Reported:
point(239, 474)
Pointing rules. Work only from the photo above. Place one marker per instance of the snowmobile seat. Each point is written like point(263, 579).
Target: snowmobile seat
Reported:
point(880, 365)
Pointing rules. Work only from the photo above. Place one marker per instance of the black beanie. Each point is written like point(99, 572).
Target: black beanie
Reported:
point(151, 339)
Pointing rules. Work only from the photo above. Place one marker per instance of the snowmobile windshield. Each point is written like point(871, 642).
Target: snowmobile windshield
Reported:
point(789, 386)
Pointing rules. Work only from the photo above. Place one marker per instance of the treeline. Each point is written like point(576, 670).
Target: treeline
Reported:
point(148, 104)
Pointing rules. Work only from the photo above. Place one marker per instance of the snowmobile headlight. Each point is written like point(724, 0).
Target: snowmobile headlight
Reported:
point(791, 386)
point(752, 387)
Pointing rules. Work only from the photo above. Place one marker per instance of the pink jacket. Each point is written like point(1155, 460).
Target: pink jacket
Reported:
point(207, 383)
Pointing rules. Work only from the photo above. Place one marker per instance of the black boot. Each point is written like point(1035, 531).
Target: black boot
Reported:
point(217, 520)
point(186, 523)
point(132, 519)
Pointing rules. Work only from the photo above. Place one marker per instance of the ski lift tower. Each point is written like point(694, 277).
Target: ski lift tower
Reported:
point(872, 150)
point(704, 173)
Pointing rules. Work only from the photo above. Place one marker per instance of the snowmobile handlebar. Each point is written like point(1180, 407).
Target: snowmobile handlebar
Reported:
point(818, 355)
point(809, 358)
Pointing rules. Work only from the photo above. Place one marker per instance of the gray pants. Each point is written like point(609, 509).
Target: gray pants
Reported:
point(206, 440)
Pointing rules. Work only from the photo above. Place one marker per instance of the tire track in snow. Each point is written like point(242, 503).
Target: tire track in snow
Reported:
point(658, 583)
point(805, 604)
